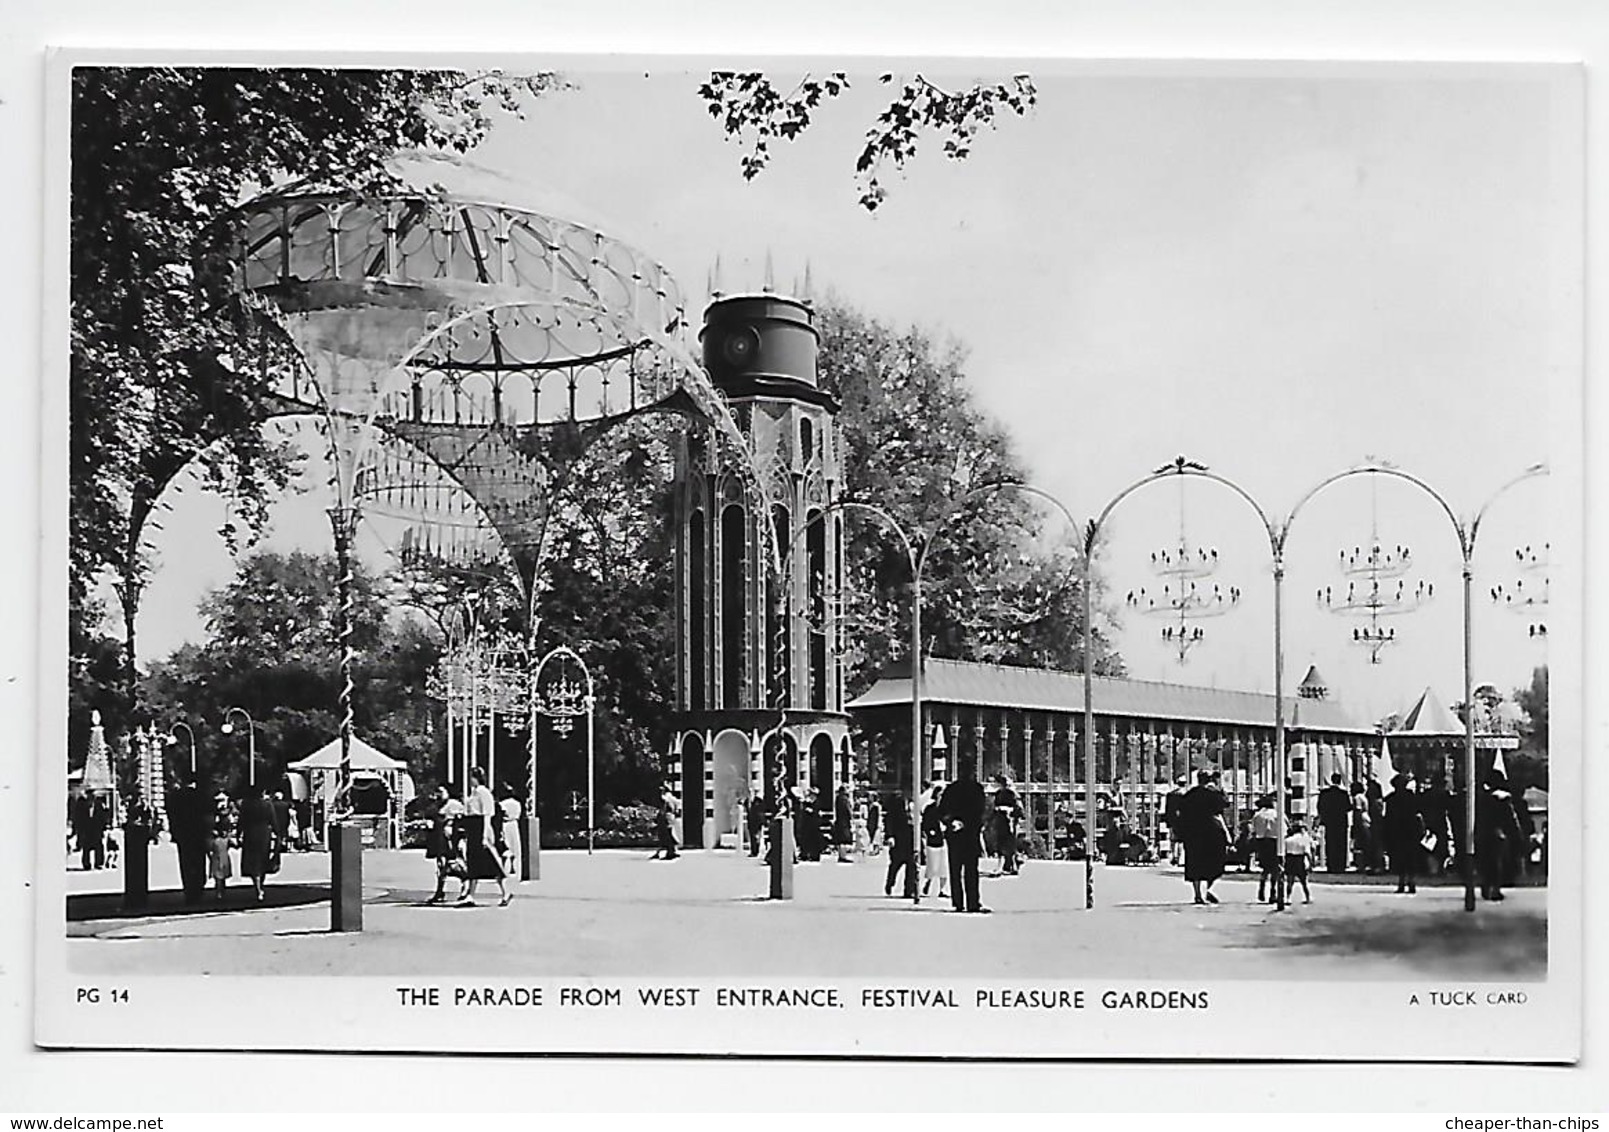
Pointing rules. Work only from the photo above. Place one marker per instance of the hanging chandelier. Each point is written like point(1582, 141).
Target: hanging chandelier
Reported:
point(1528, 601)
point(1188, 593)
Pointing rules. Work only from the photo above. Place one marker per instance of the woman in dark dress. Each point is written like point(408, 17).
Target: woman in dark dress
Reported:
point(480, 850)
point(1206, 838)
point(441, 846)
point(259, 853)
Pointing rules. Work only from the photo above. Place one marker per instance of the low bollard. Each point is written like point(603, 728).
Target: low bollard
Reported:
point(781, 858)
point(531, 849)
point(346, 877)
point(136, 867)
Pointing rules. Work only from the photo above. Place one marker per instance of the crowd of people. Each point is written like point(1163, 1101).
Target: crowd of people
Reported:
point(1402, 832)
point(206, 830)
point(1416, 829)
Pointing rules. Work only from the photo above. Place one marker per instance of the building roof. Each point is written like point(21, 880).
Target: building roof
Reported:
point(1429, 716)
point(364, 757)
point(966, 683)
point(1313, 682)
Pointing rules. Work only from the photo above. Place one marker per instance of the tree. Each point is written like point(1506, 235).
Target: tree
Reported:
point(916, 444)
point(270, 650)
point(1529, 765)
point(751, 110)
point(161, 353)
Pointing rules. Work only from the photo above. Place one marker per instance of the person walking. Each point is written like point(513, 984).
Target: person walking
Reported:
point(1007, 813)
point(223, 826)
point(282, 821)
point(1433, 805)
point(874, 819)
point(513, 843)
point(1375, 794)
point(90, 819)
point(1404, 830)
point(1206, 838)
point(441, 845)
point(843, 825)
point(901, 834)
point(259, 845)
point(757, 819)
point(1173, 818)
point(480, 852)
point(1497, 833)
point(1265, 847)
point(962, 808)
point(667, 826)
point(1333, 811)
point(936, 857)
point(1362, 828)
point(191, 828)
point(1298, 850)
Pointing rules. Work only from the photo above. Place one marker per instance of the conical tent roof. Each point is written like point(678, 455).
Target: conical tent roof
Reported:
point(1429, 716)
point(364, 757)
point(1313, 682)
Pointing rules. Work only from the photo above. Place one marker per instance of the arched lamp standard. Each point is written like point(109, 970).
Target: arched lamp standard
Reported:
point(916, 551)
point(228, 728)
point(1276, 533)
point(1467, 531)
point(173, 741)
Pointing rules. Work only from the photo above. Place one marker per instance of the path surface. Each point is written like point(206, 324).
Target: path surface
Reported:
point(617, 913)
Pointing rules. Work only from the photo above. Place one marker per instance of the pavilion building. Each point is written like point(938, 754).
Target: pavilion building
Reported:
point(1430, 743)
point(1029, 722)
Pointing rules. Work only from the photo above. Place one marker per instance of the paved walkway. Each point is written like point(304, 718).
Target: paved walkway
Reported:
point(617, 913)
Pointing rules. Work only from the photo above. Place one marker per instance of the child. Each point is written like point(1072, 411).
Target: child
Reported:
point(1264, 824)
point(1298, 856)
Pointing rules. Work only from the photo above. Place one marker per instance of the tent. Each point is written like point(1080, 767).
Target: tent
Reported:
point(364, 757)
point(367, 762)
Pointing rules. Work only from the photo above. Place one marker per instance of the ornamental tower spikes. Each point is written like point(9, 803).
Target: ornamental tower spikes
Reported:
point(759, 652)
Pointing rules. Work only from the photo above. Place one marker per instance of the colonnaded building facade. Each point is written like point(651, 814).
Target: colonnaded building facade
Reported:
point(1029, 723)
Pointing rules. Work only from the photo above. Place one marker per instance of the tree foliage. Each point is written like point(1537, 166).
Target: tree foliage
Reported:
point(270, 649)
point(1529, 766)
point(751, 110)
point(998, 586)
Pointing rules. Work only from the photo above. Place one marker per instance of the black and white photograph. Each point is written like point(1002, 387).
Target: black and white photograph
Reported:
point(876, 557)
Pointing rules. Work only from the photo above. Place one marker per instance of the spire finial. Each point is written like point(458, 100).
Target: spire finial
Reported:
point(770, 283)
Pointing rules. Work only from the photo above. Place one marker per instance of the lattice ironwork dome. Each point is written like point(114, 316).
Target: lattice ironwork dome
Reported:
point(446, 325)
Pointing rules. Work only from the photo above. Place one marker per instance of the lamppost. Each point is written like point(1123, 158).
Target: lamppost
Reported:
point(1276, 541)
point(916, 551)
point(565, 701)
point(228, 728)
point(1467, 532)
point(173, 741)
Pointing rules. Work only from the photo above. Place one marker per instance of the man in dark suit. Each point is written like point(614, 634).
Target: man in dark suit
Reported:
point(901, 848)
point(190, 823)
point(1334, 807)
point(962, 808)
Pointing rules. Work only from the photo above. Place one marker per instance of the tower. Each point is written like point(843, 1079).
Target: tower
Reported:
point(759, 654)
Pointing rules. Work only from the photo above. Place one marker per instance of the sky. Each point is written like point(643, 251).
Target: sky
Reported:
point(1277, 273)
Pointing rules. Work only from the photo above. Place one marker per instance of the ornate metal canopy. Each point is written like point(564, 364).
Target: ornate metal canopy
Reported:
point(450, 335)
